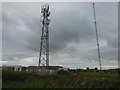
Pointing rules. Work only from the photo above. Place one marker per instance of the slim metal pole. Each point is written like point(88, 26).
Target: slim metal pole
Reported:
point(97, 40)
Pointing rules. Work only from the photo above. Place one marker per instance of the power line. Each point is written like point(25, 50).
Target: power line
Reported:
point(97, 40)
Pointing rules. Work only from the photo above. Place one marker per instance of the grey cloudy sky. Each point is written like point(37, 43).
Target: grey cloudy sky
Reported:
point(72, 34)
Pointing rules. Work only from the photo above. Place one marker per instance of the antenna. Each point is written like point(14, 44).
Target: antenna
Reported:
point(97, 40)
point(44, 45)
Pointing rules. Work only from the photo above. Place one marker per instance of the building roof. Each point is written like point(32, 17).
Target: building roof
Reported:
point(48, 67)
point(11, 66)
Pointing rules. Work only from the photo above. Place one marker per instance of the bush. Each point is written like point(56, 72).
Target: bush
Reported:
point(16, 76)
point(63, 72)
point(63, 79)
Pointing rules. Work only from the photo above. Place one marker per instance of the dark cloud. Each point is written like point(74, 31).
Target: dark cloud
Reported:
point(72, 33)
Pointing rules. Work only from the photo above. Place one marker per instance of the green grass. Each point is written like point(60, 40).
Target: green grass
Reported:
point(60, 80)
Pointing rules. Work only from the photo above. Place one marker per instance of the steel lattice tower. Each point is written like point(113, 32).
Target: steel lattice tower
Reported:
point(44, 44)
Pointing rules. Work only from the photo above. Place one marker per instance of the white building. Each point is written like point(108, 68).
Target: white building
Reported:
point(43, 69)
point(11, 68)
point(34, 69)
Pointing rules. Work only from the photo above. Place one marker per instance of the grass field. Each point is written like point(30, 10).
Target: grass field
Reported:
point(60, 80)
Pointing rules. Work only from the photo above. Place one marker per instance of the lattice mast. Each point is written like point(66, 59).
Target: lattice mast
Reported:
point(44, 44)
point(97, 40)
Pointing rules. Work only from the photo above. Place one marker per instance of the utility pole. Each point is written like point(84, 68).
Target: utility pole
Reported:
point(44, 44)
point(97, 40)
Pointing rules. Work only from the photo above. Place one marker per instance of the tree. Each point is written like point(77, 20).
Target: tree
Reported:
point(87, 68)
